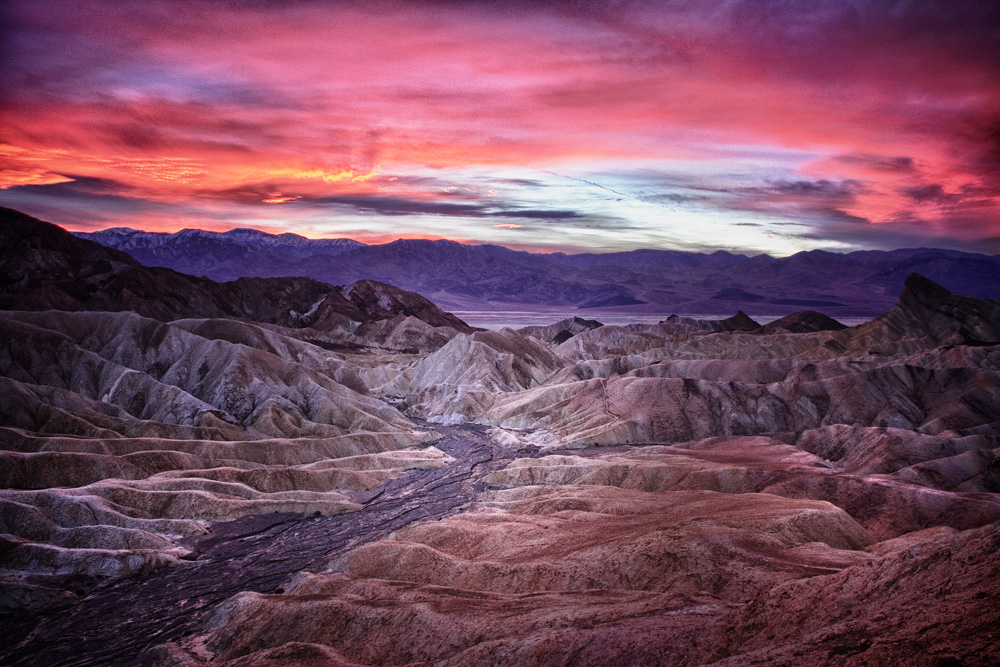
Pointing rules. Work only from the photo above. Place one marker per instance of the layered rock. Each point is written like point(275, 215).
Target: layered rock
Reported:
point(561, 331)
point(805, 321)
point(461, 380)
point(887, 504)
point(692, 492)
point(917, 600)
point(122, 434)
point(156, 372)
point(536, 566)
point(79, 517)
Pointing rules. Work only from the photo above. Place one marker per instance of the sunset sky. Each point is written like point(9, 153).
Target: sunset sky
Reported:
point(747, 125)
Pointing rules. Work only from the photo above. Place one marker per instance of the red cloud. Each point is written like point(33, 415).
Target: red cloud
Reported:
point(191, 100)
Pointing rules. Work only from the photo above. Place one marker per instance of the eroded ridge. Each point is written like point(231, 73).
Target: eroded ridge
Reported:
point(691, 492)
point(116, 624)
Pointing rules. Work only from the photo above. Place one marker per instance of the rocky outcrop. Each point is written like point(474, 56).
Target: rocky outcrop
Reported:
point(155, 372)
point(561, 331)
point(382, 302)
point(920, 602)
point(927, 317)
point(610, 341)
point(636, 410)
point(307, 347)
point(928, 310)
point(676, 324)
point(532, 540)
point(461, 380)
point(887, 505)
point(805, 321)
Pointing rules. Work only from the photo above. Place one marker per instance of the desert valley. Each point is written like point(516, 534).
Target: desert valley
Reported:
point(452, 333)
point(275, 471)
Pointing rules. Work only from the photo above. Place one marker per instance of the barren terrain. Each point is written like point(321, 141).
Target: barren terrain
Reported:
point(284, 472)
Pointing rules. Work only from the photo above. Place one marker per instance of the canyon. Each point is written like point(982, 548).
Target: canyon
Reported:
point(278, 471)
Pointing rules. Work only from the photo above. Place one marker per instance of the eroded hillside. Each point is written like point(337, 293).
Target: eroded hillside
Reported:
point(312, 475)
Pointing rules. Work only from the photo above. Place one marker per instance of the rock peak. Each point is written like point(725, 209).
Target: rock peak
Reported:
point(804, 321)
point(918, 289)
point(951, 318)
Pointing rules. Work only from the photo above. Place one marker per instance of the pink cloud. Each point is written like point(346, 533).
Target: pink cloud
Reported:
point(188, 101)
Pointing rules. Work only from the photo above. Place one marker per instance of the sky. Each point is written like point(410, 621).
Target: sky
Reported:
point(550, 125)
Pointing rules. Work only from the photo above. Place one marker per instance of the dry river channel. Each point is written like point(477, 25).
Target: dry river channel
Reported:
point(116, 624)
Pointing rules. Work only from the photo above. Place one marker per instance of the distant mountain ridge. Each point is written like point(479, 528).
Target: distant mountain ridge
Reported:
point(43, 267)
point(483, 277)
point(126, 238)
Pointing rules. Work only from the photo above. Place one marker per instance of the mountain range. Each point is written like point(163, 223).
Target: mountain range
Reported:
point(43, 267)
point(457, 276)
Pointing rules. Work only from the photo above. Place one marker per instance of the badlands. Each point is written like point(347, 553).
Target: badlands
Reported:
point(277, 472)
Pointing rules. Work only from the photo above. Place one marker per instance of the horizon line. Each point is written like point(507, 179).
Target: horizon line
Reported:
point(473, 243)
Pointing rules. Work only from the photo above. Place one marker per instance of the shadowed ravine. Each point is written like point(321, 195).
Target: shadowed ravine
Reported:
point(116, 624)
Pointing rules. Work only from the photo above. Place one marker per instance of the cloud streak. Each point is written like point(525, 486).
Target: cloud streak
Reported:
point(680, 121)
